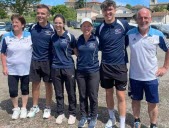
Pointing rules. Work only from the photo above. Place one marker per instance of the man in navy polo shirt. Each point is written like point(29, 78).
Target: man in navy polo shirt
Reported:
point(113, 70)
point(40, 65)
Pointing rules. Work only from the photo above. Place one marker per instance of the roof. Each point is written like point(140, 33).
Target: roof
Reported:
point(118, 15)
point(87, 9)
point(156, 14)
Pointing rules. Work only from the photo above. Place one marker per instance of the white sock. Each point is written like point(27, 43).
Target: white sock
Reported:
point(122, 122)
point(111, 113)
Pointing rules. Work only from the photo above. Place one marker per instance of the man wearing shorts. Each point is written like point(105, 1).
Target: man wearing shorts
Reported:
point(113, 70)
point(41, 60)
point(144, 71)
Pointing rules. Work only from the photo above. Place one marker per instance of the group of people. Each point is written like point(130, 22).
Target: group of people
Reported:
point(45, 52)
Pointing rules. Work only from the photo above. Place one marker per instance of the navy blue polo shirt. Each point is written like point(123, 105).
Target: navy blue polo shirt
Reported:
point(41, 39)
point(87, 60)
point(112, 42)
point(62, 50)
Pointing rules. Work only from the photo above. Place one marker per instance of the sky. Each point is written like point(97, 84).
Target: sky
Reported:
point(118, 2)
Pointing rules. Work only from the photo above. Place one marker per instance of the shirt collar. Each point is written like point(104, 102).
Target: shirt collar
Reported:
point(13, 35)
point(47, 26)
point(111, 24)
point(149, 31)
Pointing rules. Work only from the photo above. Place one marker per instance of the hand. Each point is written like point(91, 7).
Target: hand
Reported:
point(161, 71)
point(5, 71)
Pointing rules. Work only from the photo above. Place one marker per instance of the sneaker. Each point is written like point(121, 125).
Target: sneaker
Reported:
point(92, 123)
point(72, 119)
point(16, 113)
point(82, 122)
point(46, 113)
point(23, 113)
point(137, 124)
point(110, 123)
point(33, 112)
point(60, 118)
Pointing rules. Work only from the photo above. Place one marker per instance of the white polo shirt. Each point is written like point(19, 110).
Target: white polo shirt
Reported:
point(143, 59)
point(18, 53)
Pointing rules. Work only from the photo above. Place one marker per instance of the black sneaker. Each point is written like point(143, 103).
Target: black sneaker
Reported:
point(82, 122)
point(93, 122)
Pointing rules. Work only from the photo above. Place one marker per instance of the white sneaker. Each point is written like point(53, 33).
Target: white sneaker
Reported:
point(16, 113)
point(46, 113)
point(23, 113)
point(33, 112)
point(72, 119)
point(60, 118)
point(110, 123)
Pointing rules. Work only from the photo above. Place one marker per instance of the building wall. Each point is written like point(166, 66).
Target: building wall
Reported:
point(83, 13)
point(162, 19)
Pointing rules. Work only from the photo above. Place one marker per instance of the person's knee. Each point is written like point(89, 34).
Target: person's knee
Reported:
point(25, 90)
point(13, 93)
point(109, 92)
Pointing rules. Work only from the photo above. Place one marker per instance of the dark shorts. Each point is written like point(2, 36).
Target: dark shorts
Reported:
point(113, 75)
point(138, 88)
point(40, 69)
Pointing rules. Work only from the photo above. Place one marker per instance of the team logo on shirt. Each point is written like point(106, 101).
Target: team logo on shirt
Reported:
point(64, 41)
point(92, 45)
point(118, 31)
point(48, 32)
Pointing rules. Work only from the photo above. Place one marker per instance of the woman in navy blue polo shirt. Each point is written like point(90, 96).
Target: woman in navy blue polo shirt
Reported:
point(16, 53)
point(88, 73)
point(63, 70)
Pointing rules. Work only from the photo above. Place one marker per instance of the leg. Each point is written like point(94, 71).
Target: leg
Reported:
point(24, 90)
point(35, 92)
point(58, 87)
point(49, 93)
point(83, 99)
point(109, 98)
point(152, 97)
point(71, 89)
point(13, 89)
point(92, 89)
point(121, 95)
point(136, 105)
point(153, 112)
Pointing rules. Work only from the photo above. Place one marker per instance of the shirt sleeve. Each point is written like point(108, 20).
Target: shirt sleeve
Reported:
point(164, 44)
point(4, 46)
point(73, 41)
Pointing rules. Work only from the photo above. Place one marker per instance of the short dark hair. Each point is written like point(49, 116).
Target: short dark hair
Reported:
point(107, 3)
point(20, 18)
point(43, 6)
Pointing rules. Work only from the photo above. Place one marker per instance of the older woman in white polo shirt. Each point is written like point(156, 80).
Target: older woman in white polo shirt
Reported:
point(16, 53)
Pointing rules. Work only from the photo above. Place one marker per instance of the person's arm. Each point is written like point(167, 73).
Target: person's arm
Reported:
point(75, 51)
point(3, 50)
point(4, 65)
point(162, 70)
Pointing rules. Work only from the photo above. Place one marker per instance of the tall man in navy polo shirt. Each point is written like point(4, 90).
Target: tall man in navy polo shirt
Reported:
point(113, 70)
point(40, 65)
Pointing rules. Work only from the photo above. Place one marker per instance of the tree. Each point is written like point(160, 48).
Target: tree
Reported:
point(68, 13)
point(19, 6)
point(128, 6)
point(80, 4)
point(3, 14)
point(168, 7)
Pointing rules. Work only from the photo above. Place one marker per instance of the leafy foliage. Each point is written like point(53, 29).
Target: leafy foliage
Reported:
point(19, 6)
point(68, 13)
point(128, 6)
point(80, 4)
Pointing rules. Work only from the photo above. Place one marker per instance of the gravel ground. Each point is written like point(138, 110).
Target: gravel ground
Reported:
point(38, 122)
